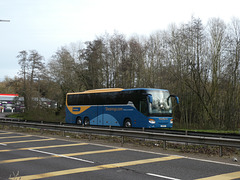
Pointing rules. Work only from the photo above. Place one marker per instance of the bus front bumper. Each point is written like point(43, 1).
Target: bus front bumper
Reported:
point(162, 122)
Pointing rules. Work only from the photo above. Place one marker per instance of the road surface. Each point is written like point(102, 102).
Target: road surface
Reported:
point(34, 157)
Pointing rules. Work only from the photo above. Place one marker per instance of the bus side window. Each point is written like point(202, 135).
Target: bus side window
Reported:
point(143, 107)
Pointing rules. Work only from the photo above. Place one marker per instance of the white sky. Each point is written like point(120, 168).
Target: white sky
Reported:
point(46, 25)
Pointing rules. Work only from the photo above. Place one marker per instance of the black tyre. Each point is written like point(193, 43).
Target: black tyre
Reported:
point(86, 121)
point(79, 121)
point(127, 123)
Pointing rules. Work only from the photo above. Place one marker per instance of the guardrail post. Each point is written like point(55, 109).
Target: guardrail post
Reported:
point(143, 129)
point(186, 133)
point(220, 151)
point(164, 144)
point(90, 137)
point(122, 142)
point(63, 133)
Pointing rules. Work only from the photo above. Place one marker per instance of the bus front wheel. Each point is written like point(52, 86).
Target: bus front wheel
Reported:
point(127, 123)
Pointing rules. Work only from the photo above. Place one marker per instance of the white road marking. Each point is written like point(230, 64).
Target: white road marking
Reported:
point(69, 157)
point(160, 176)
point(3, 144)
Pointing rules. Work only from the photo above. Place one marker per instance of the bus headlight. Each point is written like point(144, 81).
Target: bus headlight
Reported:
point(151, 121)
point(171, 121)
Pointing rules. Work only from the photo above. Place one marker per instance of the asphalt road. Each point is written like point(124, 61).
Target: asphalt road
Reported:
point(2, 114)
point(34, 157)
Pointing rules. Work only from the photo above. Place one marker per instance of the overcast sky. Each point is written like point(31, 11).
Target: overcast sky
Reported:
point(46, 25)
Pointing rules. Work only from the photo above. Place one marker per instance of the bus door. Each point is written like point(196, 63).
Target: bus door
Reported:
point(100, 115)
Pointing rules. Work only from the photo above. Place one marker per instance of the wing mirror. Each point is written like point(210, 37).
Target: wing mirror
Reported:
point(177, 99)
point(150, 98)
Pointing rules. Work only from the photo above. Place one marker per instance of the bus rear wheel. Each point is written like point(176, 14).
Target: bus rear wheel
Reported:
point(79, 121)
point(127, 123)
point(86, 121)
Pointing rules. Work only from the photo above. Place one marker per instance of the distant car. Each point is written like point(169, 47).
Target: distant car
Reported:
point(8, 108)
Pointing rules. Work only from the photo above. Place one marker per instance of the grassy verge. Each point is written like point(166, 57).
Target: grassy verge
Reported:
point(43, 114)
point(210, 131)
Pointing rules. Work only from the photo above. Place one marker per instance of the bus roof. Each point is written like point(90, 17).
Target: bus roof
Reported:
point(144, 89)
point(113, 90)
point(99, 91)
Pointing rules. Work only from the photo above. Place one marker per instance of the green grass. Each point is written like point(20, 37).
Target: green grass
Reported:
point(209, 131)
point(43, 114)
point(16, 115)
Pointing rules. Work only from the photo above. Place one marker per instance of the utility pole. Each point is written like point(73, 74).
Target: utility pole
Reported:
point(4, 20)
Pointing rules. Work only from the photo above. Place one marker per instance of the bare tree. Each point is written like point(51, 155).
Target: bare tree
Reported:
point(23, 62)
point(31, 66)
point(217, 39)
point(62, 71)
point(231, 74)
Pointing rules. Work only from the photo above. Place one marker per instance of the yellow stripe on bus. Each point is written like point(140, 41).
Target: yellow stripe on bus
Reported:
point(77, 109)
point(99, 91)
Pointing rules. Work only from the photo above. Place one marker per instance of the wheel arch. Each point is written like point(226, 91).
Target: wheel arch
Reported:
point(77, 118)
point(127, 119)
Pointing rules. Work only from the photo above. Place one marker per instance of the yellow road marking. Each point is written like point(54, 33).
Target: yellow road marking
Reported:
point(93, 152)
point(227, 176)
point(43, 147)
point(35, 140)
point(5, 133)
point(14, 137)
point(61, 145)
point(59, 155)
point(96, 168)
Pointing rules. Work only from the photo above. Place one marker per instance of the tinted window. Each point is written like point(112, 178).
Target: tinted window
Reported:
point(108, 98)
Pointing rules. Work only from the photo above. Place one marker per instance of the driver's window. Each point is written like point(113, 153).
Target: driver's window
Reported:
point(143, 107)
